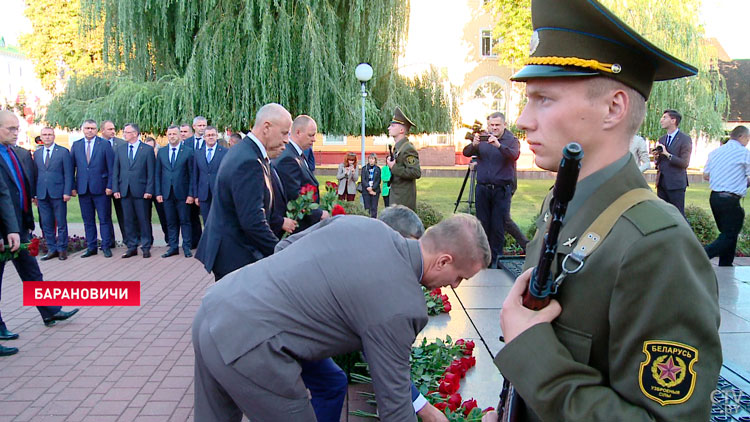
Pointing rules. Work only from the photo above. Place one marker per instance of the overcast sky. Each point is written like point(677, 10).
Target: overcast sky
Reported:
point(726, 20)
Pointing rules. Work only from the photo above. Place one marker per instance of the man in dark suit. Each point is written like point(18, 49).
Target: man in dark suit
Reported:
point(294, 170)
point(19, 188)
point(108, 134)
point(174, 164)
point(133, 181)
point(197, 143)
point(54, 185)
point(206, 167)
point(237, 232)
point(92, 165)
point(672, 161)
point(8, 229)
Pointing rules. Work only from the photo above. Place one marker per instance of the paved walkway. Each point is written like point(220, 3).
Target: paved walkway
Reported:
point(136, 363)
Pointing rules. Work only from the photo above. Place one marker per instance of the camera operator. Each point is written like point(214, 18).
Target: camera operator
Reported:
point(496, 153)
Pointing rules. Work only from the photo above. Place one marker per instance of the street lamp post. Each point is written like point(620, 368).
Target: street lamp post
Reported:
point(364, 74)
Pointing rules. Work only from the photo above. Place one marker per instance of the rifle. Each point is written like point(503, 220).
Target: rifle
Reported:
point(390, 153)
point(541, 285)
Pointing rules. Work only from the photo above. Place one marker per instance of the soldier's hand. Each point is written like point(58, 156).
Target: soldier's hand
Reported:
point(515, 318)
point(14, 241)
point(490, 416)
point(389, 162)
point(289, 225)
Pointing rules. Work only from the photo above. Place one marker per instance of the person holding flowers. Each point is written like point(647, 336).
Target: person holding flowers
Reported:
point(347, 177)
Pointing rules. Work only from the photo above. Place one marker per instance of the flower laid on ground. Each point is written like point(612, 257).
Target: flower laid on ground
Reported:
point(436, 301)
point(303, 204)
point(32, 247)
point(437, 369)
point(338, 210)
point(330, 198)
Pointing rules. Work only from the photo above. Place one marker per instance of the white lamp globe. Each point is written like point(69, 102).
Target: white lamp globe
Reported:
point(363, 72)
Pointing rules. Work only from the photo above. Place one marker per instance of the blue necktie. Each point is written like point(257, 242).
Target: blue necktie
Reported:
point(130, 154)
point(171, 160)
point(209, 155)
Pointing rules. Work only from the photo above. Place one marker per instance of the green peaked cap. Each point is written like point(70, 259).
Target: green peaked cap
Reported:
point(579, 38)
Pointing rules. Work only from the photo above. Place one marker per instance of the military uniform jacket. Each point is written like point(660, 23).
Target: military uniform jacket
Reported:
point(638, 335)
point(404, 174)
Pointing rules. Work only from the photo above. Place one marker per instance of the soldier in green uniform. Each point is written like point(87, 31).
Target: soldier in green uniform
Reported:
point(633, 334)
point(405, 168)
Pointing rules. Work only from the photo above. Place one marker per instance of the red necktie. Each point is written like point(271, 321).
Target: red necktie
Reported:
point(19, 175)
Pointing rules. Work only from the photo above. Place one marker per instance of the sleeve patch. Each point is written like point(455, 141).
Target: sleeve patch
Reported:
point(667, 376)
point(411, 160)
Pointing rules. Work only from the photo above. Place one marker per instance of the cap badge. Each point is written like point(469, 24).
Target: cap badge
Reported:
point(534, 42)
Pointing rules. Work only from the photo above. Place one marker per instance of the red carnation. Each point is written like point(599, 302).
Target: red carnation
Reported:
point(468, 405)
point(338, 210)
point(454, 401)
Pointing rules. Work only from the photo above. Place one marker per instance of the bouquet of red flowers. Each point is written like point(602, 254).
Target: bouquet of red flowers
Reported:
point(330, 198)
point(303, 204)
point(32, 247)
point(436, 301)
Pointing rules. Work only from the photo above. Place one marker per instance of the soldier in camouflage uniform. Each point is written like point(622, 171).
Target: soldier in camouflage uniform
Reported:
point(405, 168)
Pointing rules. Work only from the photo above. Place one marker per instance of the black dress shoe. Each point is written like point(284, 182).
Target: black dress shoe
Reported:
point(147, 254)
point(188, 254)
point(59, 316)
point(171, 252)
point(129, 253)
point(7, 351)
point(89, 253)
point(7, 335)
point(50, 255)
point(107, 253)
point(63, 256)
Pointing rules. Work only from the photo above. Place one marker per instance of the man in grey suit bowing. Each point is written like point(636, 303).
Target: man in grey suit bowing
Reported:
point(255, 325)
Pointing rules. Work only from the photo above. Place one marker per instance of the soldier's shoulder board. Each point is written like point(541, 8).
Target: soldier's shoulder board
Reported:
point(667, 376)
point(650, 217)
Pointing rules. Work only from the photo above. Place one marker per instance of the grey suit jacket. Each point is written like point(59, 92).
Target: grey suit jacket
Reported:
point(265, 316)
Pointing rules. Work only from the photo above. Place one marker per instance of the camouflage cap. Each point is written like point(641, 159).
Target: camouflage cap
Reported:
point(579, 38)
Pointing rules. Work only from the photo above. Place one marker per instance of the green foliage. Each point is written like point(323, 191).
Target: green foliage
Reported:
point(428, 214)
point(224, 59)
point(56, 36)
point(702, 223)
point(670, 24)
point(743, 240)
point(350, 363)
point(354, 208)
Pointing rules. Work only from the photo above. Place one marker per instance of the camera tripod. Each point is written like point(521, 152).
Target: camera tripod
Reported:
point(471, 175)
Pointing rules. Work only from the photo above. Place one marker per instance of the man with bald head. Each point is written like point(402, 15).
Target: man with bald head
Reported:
point(294, 170)
point(237, 232)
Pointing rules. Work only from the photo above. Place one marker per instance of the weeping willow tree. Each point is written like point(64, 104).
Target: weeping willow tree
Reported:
point(225, 58)
point(670, 24)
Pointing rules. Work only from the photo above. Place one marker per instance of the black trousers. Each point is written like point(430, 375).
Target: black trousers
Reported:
point(117, 205)
point(493, 204)
point(28, 269)
point(675, 197)
point(371, 203)
point(178, 219)
point(729, 217)
point(137, 222)
point(195, 224)
point(162, 217)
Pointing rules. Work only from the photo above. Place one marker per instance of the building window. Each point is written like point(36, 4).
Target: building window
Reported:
point(487, 43)
point(334, 140)
point(492, 94)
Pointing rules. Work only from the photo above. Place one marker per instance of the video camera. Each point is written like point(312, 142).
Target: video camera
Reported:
point(476, 128)
point(657, 150)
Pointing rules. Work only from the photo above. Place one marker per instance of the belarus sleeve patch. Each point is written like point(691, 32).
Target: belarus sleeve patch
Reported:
point(667, 376)
point(411, 160)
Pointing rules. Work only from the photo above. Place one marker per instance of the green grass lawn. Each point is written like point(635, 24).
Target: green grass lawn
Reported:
point(441, 193)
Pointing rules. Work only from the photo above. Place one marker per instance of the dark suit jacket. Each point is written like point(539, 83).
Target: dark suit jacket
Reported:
point(24, 220)
point(55, 178)
point(204, 173)
point(278, 210)
point(365, 178)
point(294, 174)
point(174, 179)
point(116, 142)
point(190, 142)
point(29, 168)
point(237, 232)
point(8, 221)
point(672, 173)
point(138, 178)
point(96, 175)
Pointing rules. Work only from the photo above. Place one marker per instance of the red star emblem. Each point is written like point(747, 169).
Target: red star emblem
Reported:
point(669, 370)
